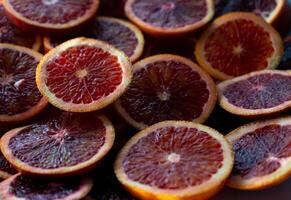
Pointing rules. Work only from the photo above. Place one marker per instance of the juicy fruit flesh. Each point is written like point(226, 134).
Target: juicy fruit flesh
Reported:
point(5, 166)
point(149, 160)
point(53, 12)
point(10, 34)
point(170, 13)
point(27, 188)
point(18, 91)
point(253, 42)
point(261, 91)
point(261, 8)
point(165, 90)
point(62, 142)
point(261, 151)
point(103, 75)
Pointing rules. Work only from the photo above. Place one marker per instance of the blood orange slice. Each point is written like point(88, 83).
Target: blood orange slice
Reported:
point(167, 87)
point(119, 33)
point(286, 59)
point(19, 96)
point(83, 75)
point(258, 93)
point(175, 160)
point(11, 34)
point(169, 17)
point(6, 170)
point(262, 154)
point(21, 187)
point(63, 145)
point(50, 16)
point(238, 43)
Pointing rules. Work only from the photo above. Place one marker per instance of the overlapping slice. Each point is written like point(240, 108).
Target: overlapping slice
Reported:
point(19, 96)
point(6, 170)
point(21, 187)
point(119, 33)
point(50, 16)
point(175, 160)
point(83, 75)
point(60, 146)
point(165, 17)
point(258, 93)
point(238, 43)
point(262, 154)
point(167, 87)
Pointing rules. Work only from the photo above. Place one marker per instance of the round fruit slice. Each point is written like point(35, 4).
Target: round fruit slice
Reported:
point(6, 170)
point(19, 96)
point(258, 93)
point(262, 154)
point(21, 187)
point(238, 43)
point(286, 59)
point(11, 34)
point(175, 160)
point(270, 10)
point(169, 17)
point(167, 87)
point(50, 16)
point(63, 145)
point(119, 33)
point(83, 75)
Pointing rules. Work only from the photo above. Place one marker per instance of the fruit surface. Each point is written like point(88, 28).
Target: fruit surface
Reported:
point(21, 187)
point(258, 93)
point(175, 160)
point(29, 15)
point(19, 96)
point(262, 154)
point(166, 18)
point(6, 170)
point(167, 87)
point(238, 43)
point(119, 33)
point(59, 146)
point(83, 75)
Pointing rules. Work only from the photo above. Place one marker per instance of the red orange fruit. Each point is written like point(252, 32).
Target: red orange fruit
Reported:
point(6, 170)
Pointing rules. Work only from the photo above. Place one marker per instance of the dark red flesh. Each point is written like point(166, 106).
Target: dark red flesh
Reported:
point(63, 141)
point(259, 152)
point(52, 11)
point(170, 13)
point(104, 75)
point(239, 47)
point(260, 92)
point(5, 166)
point(182, 88)
point(146, 162)
point(10, 34)
point(33, 189)
point(18, 91)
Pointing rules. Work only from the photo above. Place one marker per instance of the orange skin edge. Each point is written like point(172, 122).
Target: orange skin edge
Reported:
point(78, 169)
point(139, 36)
point(275, 37)
point(226, 105)
point(267, 181)
point(208, 107)
point(200, 192)
point(48, 28)
point(160, 32)
point(35, 109)
point(86, 186)
point(96, 105)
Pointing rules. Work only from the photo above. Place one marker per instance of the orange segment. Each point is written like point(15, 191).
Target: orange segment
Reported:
point(174, 160)
point(238, 43)
point(83, 75)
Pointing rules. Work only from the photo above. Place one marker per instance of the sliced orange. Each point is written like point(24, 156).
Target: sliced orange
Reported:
point(238, 43)
point(83, 75)
point(166, 18)
point(175, 160)
point(262, 154)
point(259, 93)
point(6, 170)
